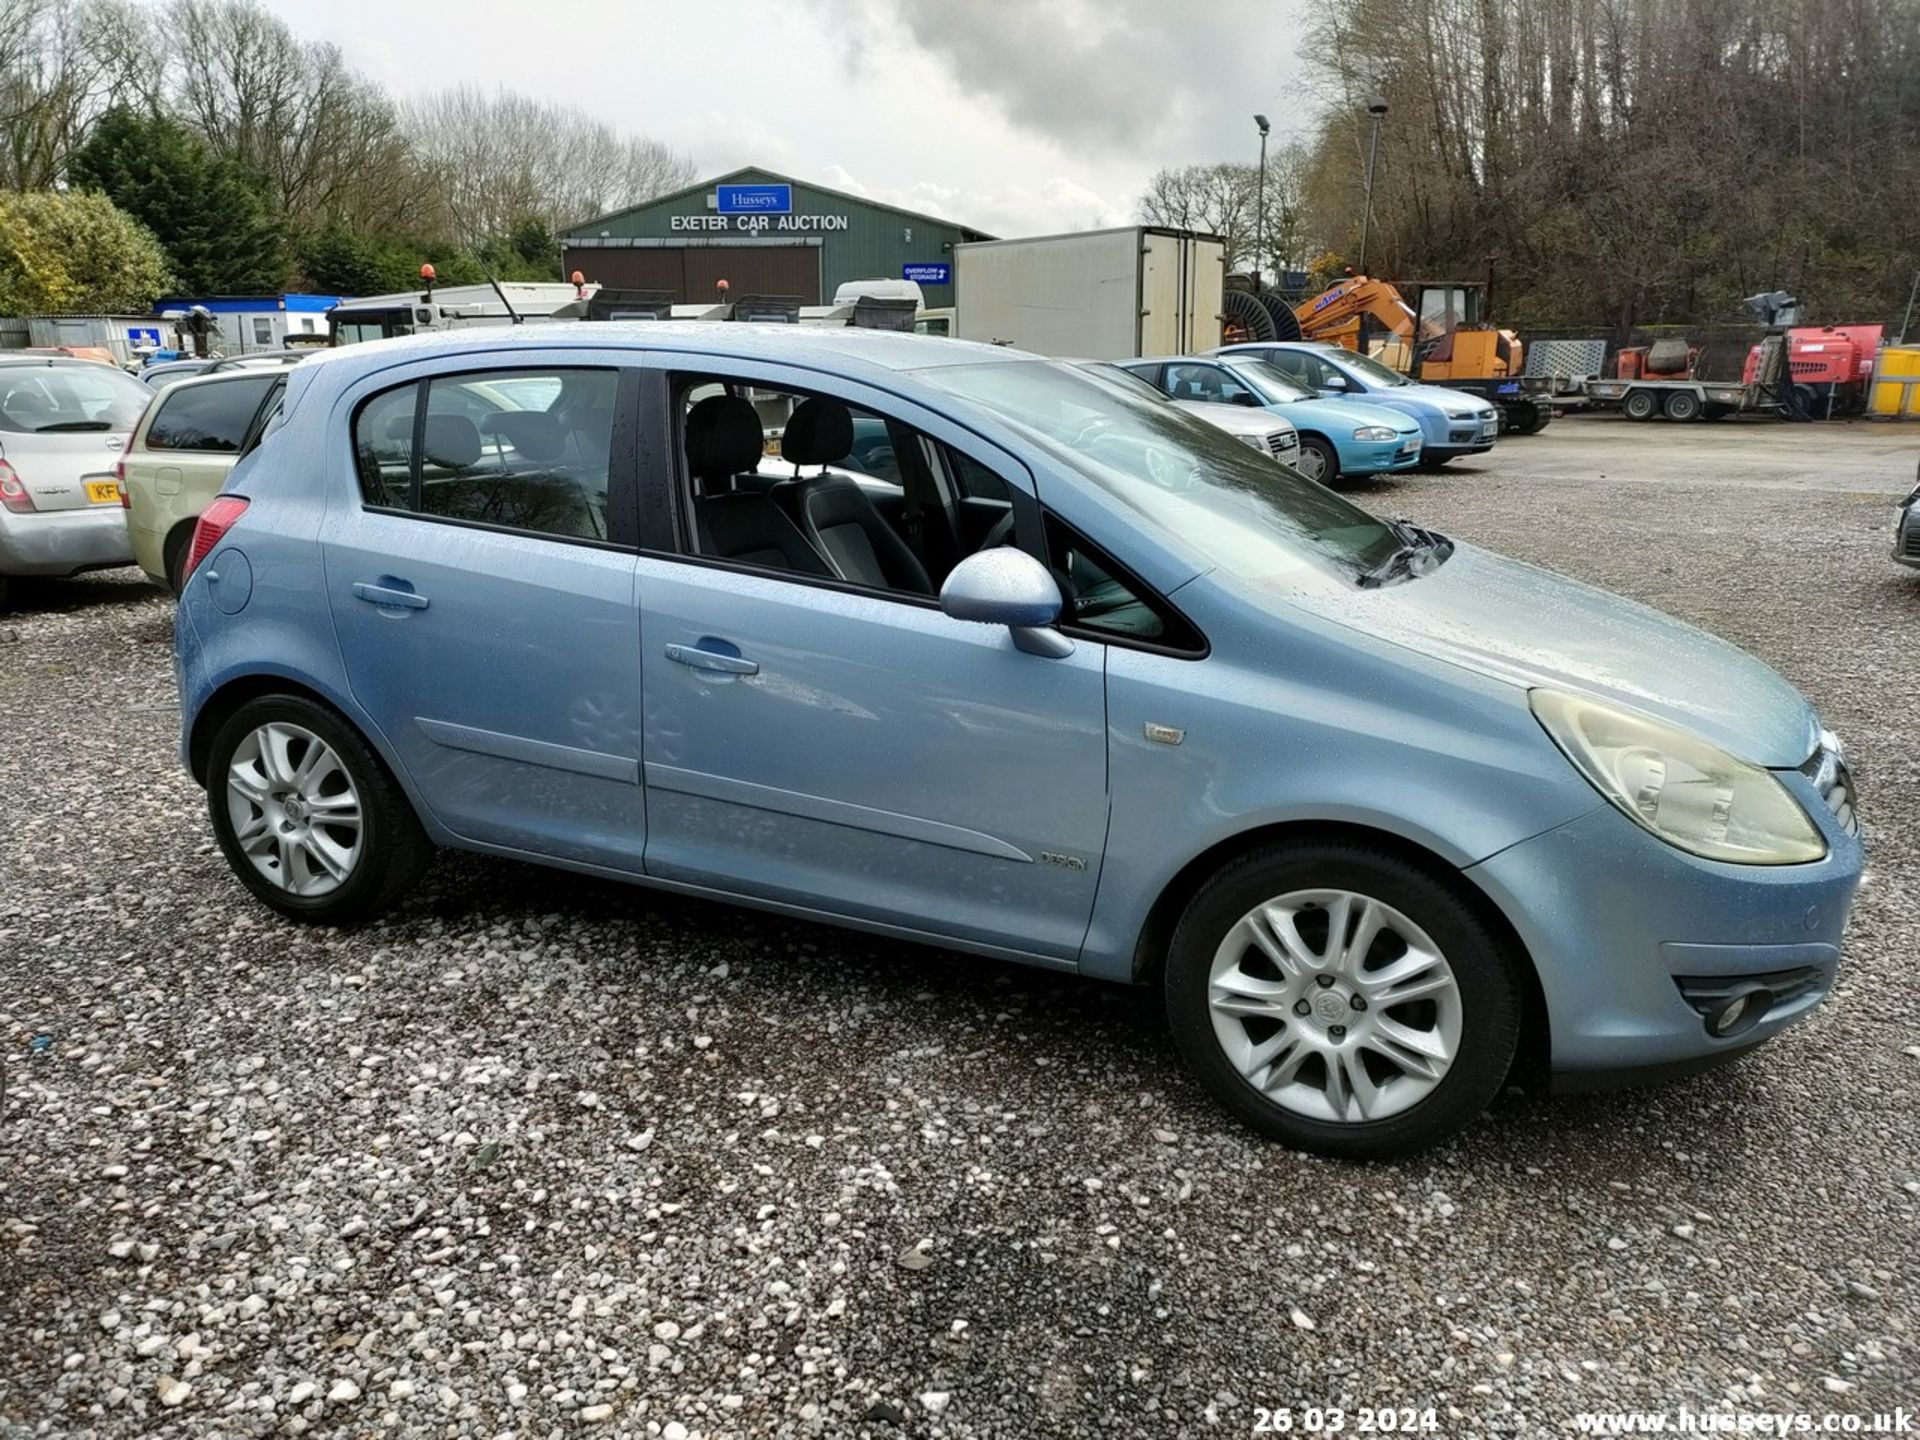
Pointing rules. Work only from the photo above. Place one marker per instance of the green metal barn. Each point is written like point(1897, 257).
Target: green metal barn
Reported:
point(764, 234)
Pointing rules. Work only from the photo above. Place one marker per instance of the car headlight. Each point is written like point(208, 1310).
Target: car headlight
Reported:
point(1258, 442)
point(1692, 795)
point(1375, 432)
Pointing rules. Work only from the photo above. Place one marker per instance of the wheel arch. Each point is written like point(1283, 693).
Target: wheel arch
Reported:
point(1156, 933)
point(179, 536)
point(225, 702)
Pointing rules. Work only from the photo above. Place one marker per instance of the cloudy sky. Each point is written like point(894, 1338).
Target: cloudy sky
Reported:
point(1014, 116)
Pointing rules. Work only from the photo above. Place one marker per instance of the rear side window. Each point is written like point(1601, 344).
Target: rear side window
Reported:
point(212, 417)
point(518, 449)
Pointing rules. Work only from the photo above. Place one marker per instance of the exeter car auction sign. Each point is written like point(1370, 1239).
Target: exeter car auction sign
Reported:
point(753, 208)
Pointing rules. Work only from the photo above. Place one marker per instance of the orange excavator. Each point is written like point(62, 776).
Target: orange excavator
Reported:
point(1436, 338)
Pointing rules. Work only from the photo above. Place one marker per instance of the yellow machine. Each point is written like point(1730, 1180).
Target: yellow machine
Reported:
point(1437, 339)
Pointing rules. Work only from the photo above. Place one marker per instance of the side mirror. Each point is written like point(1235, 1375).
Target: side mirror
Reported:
point(1333, 384)
point(1005, 586)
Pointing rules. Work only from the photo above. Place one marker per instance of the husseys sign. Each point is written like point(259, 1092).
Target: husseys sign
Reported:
point(755, 208)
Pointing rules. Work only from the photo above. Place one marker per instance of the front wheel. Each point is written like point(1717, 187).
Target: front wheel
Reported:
point(1318, 461)
point(1341, 999)
point(307, 815)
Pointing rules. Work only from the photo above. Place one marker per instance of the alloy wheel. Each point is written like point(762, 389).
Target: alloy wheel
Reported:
point(294, 808)
point(1335, 1006)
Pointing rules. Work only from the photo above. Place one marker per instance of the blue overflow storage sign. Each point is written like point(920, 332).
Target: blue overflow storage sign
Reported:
point(143, 334)
point(928, 274)
point(754, 199)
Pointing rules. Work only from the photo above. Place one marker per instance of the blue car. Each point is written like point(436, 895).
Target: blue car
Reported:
point(1452, 422)
point(1338, 440)
point(1090, 685)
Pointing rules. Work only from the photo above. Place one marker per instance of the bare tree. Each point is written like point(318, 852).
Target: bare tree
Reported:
point(1225, 199)
point(498, 158)
point(324, 142)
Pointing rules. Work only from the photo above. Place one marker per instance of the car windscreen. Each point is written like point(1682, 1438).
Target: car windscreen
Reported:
point(52, 399)
point(1371, 370)
point(1269, 382)
point(1219, 497)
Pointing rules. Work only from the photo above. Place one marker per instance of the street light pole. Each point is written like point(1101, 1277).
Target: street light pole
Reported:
point(1376, 107)
point(1260, 205)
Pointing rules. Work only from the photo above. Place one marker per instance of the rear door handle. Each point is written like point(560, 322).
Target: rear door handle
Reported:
point(702, 659)
point(387, 595)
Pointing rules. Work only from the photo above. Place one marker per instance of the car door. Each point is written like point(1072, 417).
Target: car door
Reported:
point(854, 751)
point(480, 571)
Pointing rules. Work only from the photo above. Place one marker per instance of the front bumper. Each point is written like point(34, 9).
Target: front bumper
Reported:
point(1615, 921)
point(1906, 537)
point(64, 542)
point(1371, 457)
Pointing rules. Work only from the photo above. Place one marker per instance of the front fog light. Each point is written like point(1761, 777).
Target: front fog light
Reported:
point(1691, 794)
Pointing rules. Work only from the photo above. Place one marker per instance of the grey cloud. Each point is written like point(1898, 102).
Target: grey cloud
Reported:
point(1153, 78)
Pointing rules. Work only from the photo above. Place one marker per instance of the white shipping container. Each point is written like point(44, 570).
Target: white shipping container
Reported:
point(1096, 295)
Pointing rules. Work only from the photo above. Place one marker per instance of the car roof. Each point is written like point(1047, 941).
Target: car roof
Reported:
point(57, 362)
point(868, 350)
point(220, 377)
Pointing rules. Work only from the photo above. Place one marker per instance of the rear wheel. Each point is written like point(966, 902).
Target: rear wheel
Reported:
point(308, 816)
point(1339, 998)
point(1640, 405)
point(174, 556)
point(1683, 405)
point(1318, 460)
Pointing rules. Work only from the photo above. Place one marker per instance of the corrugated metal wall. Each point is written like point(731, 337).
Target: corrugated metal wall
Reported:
point(691, 273)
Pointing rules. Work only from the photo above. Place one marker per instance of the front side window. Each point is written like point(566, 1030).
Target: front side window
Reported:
point(1210, 383)
point(211, 417)
point(518, 449)
point(824, 490)
point(1221, 499)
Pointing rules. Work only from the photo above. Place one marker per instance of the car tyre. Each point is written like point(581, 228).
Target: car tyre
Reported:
point(1318, 461)
point(1434, 462)
point(1481, 1013)
point(388, 849)
point(1640, 405)
point(175, 557)
point(1683, 405)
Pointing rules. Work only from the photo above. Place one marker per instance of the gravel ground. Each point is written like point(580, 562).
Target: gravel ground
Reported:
point(549, 1156)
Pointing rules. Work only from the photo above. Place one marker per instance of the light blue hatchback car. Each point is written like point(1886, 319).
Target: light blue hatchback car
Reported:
point(1079, 681)
point(1339, 439)
point(1452, 422)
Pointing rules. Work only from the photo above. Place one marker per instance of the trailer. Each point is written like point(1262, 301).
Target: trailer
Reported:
point(1688, 397)
point(1095, 295)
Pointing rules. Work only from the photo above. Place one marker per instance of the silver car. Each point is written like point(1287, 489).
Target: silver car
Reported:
point(1906, 532)
point(1262, 429)
point(63, 429)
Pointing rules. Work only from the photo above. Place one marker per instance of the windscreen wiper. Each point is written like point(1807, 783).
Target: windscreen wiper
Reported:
point(66, 425)
point(1421, 551)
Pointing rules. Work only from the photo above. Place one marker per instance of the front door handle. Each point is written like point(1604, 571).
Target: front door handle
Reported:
point(387, 595)
point(703, 659)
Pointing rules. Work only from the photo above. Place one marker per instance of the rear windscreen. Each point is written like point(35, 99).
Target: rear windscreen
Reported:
point(80, 397)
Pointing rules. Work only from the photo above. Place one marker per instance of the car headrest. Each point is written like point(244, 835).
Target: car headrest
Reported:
point(452, 441)
point(819, 432)
point(723, 437)
point(536, 435)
